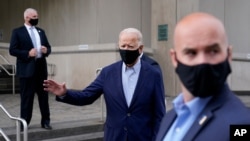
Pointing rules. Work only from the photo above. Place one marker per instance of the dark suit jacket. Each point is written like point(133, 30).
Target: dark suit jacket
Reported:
point(151, 62)
point(221, 112)
point(138, 122)
point(20, 45)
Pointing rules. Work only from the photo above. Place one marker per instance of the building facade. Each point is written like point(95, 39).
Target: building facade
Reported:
point(84, 33)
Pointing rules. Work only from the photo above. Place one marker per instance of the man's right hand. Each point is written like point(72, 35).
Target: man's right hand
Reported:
point(55, 88)
point(32, 52)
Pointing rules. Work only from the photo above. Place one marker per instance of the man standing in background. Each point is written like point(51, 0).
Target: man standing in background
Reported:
point(30, 46)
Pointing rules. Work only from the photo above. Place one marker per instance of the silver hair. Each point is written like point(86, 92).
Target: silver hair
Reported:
point(136, 31)
point(27, 11)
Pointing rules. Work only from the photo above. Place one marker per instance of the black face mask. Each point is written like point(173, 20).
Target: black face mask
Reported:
point(129, 56)
point(205, 79)
point(33, 22)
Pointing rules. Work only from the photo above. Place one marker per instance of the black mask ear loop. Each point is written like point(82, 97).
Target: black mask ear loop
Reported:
point(139, 52)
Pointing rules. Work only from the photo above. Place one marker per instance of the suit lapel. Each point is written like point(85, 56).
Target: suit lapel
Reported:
point(118, 81)
point(167, 123)
point(207, 114)
point(39, 33)
point(26, 35)
point(198, 125)
point(140, 83)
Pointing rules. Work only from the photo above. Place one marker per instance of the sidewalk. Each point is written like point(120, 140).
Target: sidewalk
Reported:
point(61, 112)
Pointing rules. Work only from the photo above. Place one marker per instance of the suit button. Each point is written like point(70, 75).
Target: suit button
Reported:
point(128, 114)
point(125, 128)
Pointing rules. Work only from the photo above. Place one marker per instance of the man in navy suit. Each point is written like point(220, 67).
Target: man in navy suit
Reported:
point(206, 107)
point(151, 61)
point(30, 46)
point(132, 88)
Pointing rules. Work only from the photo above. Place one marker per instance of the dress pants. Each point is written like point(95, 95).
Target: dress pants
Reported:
point(28, 87)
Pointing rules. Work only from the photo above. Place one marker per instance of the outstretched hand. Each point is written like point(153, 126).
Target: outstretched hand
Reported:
point(55, 88)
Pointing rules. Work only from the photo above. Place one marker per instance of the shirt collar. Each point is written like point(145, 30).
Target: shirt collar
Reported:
point(136, 66)
point(28, 26)
point(195, 106)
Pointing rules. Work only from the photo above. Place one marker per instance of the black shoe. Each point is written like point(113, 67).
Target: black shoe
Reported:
point(46, 126)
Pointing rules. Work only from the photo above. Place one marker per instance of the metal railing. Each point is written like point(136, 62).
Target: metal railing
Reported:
point(9, 73)
point(18, 126)
point(4, 135)
point(51, 69)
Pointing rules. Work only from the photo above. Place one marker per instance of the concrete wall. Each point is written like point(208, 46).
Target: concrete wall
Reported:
point(75, 65)
point(164, 12)
point(71, 22)
point(98, 23)
point(232, 13)
point(168, 12)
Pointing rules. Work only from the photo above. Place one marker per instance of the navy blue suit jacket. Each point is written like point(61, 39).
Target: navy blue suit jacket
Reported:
point(138, 122)
point(151, 62)
point(222, 111)
point(20, 45)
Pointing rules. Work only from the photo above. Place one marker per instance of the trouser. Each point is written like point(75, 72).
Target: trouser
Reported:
point(28, 87)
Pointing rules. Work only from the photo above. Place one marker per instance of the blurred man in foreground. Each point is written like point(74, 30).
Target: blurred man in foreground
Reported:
point(206, 107)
